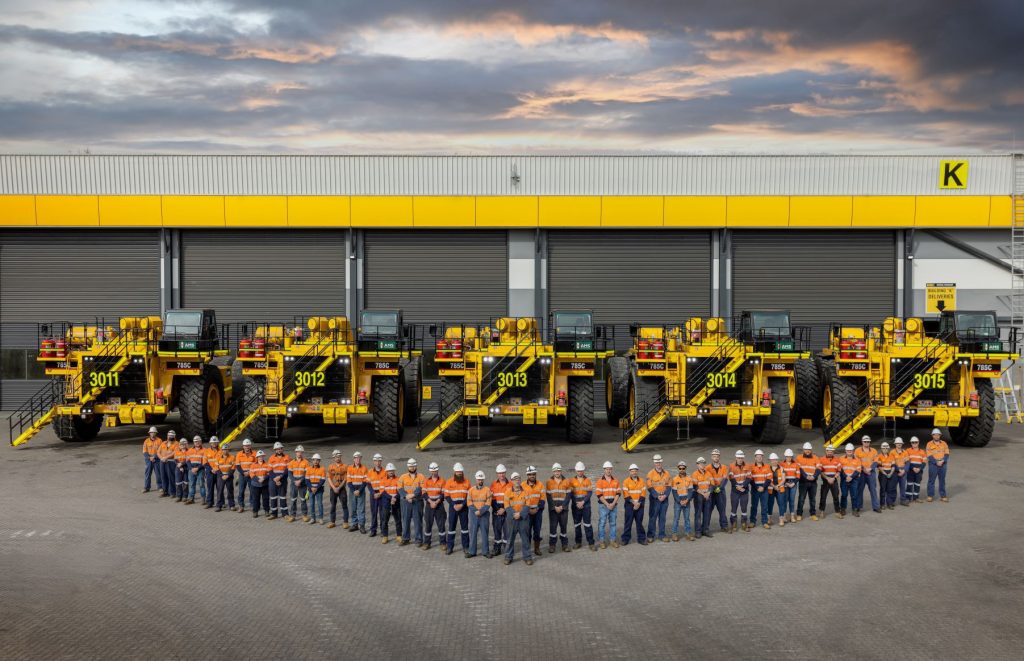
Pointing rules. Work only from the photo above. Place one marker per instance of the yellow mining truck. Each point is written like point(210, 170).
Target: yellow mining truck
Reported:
point(936, 373)
point(747, 377)
point(515, 368)
point(131, 372)
point(321, 370)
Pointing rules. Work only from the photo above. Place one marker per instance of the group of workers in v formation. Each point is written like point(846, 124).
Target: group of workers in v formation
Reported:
point(488, 517)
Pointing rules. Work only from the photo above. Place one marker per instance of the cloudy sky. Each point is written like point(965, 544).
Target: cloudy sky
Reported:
point(440, 76)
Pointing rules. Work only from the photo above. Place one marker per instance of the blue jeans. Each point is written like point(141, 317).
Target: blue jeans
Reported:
point(357, 501)
point(903, 485)
point(759, 501)
point(170, 471)
point(243, 485)
point(790, 495)
point(634, 515)
point(684, 511)
point(701, 514)
point(196, 479)
point(870, 480)
point(657, 517)
point(316, 504)
point(478, 525)
point(149, 468)
point(718, 503)
point(848, 492)
point(936, 471)
point(412, 520)
point(782, 499)
point(606, 523)
point(518, 528)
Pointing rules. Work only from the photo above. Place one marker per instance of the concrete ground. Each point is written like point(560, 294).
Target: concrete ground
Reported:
point(93, 568)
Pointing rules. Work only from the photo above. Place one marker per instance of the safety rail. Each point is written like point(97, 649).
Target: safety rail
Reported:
point(287, 388)
point(238, 415)
point(26, 420)
point(719, 359)
point(502, 364)
point(117, 348)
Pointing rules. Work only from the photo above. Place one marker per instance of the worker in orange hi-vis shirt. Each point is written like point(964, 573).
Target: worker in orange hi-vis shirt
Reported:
point(337, 486)
point(582, 492)
point(792, 471)
point(456, 491)
point(243, 460)
point(810, 468)
point(498, 510)
point(739, 477)
point(559, 496)
point(608, 492)
point(535, 499)
point(659, 487)
point(938, 461)
point(316, 481)
point(868, 471)
point(259, 476)
point(151, 463)
point(433, 509)
point(167, 464)
point(682, 495)
point(225, 479)
point(702, 494)
point(634, 494)
point(887, 477)
point(389, 498)
point(719, 473)
point(901, 454)
point(517, 521)
point(849, 486)
point(760, 477)
point(278, 483)
point(357, 487)
point(182, 471)
point(831, 473)
point(374, 474)
point(778, 488)
point(410, 487)
point(479, 505)
point(195, 460)
point(297, 487)
point(210, 455)
point(917, 459)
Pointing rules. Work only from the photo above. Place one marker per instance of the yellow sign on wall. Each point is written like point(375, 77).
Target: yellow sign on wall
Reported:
point(940, 296)
point(953, 174)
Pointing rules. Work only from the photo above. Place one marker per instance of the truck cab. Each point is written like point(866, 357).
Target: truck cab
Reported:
point(381, 330)
point(768, 330)
point(574, 330)
point(190, 330)
point(974, 331)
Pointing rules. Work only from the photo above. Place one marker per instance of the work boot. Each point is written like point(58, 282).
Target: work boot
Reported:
point(373, 533)
point(404, 542)
point(905, 503)
point(782, 521)
point(331, 524)
point(218, 509)
point(469, 555)
point(732, 527)
point(708, 534)
point(289, 518)
point(593, 547)
point(615, 544)
point(306, 519)
point(529, 563)
point(507, 561)
point(746, 527)
point(272, 517)
point(551, 548)
point(449, 551)
point(814, 517)
point(344, 525)
point(566, 549)
point(604, 545)
point(180, 499)
point(799, 517)
point(578, 545)
point(690, 537)
point(944, 499)
point(208, 506)
point(255, 515)
point(384, 539)
point(442, 549)
point(792, 518)
point(840, 514)
point(675, 538)
point(536, 549)
point(929, 499)
point(145, 491)
point(856, 513)
point(767, 526)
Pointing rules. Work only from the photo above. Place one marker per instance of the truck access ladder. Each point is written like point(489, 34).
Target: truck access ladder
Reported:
point(729, 358)
point(313, 358)
point(646, 418)
point(239, 414)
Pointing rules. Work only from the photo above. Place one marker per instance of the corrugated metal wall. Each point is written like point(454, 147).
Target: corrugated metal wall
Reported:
point(495, 175)
point(822, 277)
point(437, 275)
point(264, 275)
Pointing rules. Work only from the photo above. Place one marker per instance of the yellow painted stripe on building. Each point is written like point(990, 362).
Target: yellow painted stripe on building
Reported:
point(610, 211)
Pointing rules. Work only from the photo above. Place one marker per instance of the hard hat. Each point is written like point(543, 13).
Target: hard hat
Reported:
point(336, 453)
point(865, 437)
point(531, 469)
point(634, 467)
point(681, 463)
point(915, 439)
point(260, 453)
point(389, 467)
point(788, 452)
point(152, 430)
point(457, 467)
point(357, 453)
point(171, 434)
point(246, 443)
point(316, 457)
point(936, 431)
point(377, 456)
point(500, 468)
point(716, 451)
point(197, 437)
point(182, 442)
point(808, 446)
point(299, 448)
point(701, 460)
point(607, 464)
point(515, 475)
point(657, 457)
point(480, 475)
point(885, 445)
point(433, 466)
point(580, 466)
point(279, 445)
point(849, 446)
point(829, 448)
point(773, 457)
point(411, 462)
point(759, 452)
point(898, 441)
point(214, 440)
point(556, 466)
point(739, 454)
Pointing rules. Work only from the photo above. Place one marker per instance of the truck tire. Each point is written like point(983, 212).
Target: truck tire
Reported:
point(616, 389)
point(452, 398)
point(200, 400)
point(977, 432)
point(412, 375)
point(771, 429)
point(75, 429)
point(579, 426)
point(646, 390)
point(839, 400)
point(388, 408)
point(808, 392)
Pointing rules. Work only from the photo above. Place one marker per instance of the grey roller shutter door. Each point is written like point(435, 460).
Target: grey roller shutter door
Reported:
point(71, 275)
point(264, 275)
point(437, 275)
point(822, 277)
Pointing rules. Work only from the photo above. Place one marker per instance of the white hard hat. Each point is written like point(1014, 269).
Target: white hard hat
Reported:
point(773, 457)
point(389, 467)
point(480, 475)
point(759, 452)
point(246, 443)
point(500, 468)
point(788, 452)
point(357, 453)
point(808, 446)
point(279, 445)
point(885, 445)
point(197, 437)
point(936, 431)
point(531, 469)
point(634, 467)
point(580, 466)
point(716, 451)
point(171, 434)
point(214, 440)
point(316, 457)
point(457, 467)
point(915, 439)
point(829, 448)
point(433, 466)
point(898, 441)
point(865, 437)
point(336, 453)
point(152, 430)
point(377, 456)
point(681, 463)
point(739, 454)
point(556, 466)
point(849, 446)
point(260, 453)
point(657, 457)
point(514, 476)
point(411, 462)
point(608, 464)
point(701, 460)
point(299, 448)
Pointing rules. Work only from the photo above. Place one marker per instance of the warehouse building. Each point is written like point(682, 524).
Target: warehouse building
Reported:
point(468, 238)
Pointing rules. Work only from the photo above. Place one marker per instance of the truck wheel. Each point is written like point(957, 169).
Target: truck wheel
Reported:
point(646, 391)
point(838, 401)
point(771, 429)
point(452, 398)
point(977, 432)
point(580, 416)
point(412, 375)
point(616, 389)
point(388, 408)
point(200, 400)
point(808, 392)
point(75, 429)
